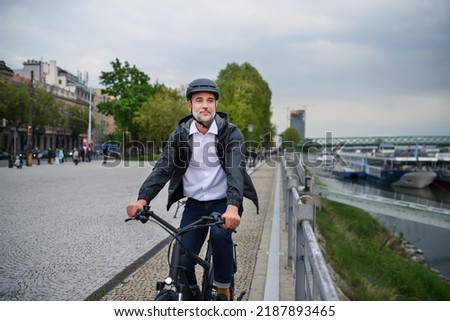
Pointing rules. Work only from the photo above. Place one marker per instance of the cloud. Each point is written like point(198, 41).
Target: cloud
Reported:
point(343, 58)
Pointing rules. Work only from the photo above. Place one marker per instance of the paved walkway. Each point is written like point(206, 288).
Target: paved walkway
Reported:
point(252, 238)
point(62, 231)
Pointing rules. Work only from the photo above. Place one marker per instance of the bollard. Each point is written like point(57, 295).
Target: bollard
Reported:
point(307, 181)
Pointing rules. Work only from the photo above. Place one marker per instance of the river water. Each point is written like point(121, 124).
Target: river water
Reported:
point(433, 241)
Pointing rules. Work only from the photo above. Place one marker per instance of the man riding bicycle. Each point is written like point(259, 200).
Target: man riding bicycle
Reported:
point(204, 159)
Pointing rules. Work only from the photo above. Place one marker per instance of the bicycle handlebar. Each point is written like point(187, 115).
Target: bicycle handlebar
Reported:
point(145, 215)
point(142, 216)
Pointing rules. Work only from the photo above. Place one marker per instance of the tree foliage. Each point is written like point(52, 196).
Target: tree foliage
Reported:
point(77, 120)
point(15, 98)
point(128, 88)
point(158, 116)
point(246, 98)
point(46, 110)
point(291, 138)
point(14, 102)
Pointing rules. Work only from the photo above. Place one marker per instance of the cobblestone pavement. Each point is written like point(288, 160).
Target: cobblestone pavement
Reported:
point(141, 284)
point(62, 231)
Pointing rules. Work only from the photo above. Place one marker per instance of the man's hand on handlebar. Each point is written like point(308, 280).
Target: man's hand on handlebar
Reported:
point(134, 208)
point(231, 217)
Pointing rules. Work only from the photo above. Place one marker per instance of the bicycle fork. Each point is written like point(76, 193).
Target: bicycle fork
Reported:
point(176, 282)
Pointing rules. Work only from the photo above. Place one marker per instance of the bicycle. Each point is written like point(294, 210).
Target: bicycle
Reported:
point(176, 287)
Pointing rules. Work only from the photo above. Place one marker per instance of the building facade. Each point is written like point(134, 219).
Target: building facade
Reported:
point(69, 90)
point(297, 121)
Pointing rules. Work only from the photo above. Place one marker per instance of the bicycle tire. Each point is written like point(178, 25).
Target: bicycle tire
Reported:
point(165, 296)
point(232, 288)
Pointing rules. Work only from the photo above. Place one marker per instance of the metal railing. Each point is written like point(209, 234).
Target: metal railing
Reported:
point(311, 276)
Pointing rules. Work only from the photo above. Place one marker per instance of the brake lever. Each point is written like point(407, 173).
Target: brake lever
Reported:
point(144, 219)
point(139, 217)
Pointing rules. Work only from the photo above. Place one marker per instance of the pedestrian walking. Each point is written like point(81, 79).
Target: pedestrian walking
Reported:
point(18, 163)
point(38, 155)
point(10, 161)
point(50, 156)
point(61, 156)
point(57, 156)
point(76, 156)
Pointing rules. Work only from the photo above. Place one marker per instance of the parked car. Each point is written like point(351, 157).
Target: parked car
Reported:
point(111, 150)
point(4, 155)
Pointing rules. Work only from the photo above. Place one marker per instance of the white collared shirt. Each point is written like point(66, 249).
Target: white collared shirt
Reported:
point(204, 180)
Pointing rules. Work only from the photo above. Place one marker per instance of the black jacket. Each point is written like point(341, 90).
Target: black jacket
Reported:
point(176, 155)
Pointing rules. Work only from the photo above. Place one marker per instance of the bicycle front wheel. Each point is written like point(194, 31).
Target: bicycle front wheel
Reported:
point(166, 296)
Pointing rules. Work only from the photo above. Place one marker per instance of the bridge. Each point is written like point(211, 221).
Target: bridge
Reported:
point(377, 140)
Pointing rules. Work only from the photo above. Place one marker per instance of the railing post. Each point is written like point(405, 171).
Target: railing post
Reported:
point(300, 266)
point(291, 184)
point(305, 212)
point(308, 214)
point(325, 284)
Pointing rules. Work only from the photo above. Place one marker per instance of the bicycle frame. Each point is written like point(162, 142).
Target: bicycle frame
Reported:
point(176, 287)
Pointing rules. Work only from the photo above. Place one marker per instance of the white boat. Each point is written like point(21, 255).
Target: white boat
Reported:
point(391, 166)
point(348, 172)
point(418, 179)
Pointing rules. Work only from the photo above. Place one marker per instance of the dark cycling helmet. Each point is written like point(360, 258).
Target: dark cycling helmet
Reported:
point(201, 85)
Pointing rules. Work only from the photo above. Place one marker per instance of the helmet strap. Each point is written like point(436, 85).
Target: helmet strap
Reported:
point(203, 124)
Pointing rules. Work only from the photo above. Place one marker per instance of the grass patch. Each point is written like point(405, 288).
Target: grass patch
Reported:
point(371, 261)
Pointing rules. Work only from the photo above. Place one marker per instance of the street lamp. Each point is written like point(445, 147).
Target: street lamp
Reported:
point(250, 131)
point(29, 159)
point(250, 138)
point(89, 133)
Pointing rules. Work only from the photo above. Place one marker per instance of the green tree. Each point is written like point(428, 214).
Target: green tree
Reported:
point(14, 102)
point(76, 120)
point(158, 116)
point(14, 107)
point(379, 142)
point(46, 109)
point(246, 98)
point(128, 88)
point(46, 113)
point(291, 138)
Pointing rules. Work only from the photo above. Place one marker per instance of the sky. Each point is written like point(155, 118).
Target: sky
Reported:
point(358, 68)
